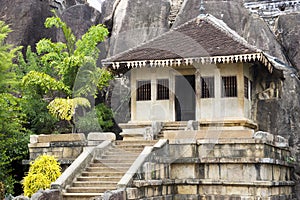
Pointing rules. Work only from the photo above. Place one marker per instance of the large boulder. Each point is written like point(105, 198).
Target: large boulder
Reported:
point(79, 18)
point(137, 21)
point(288, 32)
point(26, 19)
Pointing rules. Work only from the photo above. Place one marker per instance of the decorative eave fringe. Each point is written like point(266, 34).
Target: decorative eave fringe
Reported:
point(190, 61)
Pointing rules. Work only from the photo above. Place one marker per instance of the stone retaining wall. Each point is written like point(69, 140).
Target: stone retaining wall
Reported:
point(229, 169)
point(64, 147)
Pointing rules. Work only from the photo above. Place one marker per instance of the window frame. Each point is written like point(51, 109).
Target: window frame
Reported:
point(229, 86)
point(143, 91)
point(207, 87)
point(162, 89)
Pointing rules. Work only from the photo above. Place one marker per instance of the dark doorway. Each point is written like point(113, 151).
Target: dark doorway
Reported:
point(185, 100)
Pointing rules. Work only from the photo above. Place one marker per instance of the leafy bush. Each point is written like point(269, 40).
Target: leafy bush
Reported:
point(105, 116)
point(42, 172)
point(98, 119)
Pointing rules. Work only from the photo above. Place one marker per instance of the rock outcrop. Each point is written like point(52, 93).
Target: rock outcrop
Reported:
point(26, 19)
point(135, 22)
point(288, 33)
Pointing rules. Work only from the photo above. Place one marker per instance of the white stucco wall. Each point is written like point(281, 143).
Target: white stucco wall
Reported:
point(209, 109)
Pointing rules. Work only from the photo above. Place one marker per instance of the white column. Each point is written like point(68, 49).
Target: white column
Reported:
point(198, 94)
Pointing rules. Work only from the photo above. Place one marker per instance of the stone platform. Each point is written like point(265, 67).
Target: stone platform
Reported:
point(250, 167)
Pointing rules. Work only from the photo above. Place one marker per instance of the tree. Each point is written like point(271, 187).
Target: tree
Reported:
point(13, 136)
point(65, 75)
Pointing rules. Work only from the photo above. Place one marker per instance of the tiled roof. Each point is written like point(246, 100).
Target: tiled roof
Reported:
point(204, 36)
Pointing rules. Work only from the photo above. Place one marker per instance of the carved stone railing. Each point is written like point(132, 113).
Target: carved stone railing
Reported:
point(78, 165)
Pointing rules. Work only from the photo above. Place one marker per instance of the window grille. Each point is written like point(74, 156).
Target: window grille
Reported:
point(246, 87)
point(207, 87)
point(229, 87)
point(162, 89)
point(143, 90)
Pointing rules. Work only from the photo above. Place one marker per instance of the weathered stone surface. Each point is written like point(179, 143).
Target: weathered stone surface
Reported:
point(288, 32)
point(26, 19)
point(61, 138)
point(115, 195)
point(79, 18)
point(101, 136)
point(47, 195)
point(135, 22)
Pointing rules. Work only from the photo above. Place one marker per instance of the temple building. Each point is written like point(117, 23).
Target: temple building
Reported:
point(201, 71)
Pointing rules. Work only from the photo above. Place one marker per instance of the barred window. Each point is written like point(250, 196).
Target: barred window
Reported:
point(143, 90)
point(207, 87)
point(246, 87)
point(229, 87)
point(162, 89)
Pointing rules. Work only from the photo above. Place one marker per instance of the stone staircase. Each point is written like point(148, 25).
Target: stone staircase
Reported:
point(172, 126)
point(105, 172)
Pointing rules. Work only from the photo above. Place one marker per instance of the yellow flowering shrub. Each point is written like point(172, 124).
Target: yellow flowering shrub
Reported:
point(42, 172)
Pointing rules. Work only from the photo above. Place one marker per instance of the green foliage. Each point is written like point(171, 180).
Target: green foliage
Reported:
point(43, 82)
point(40, 120)
point(98, 119)
point(60, 73)
point(88, 123)
point(13, 136)
point(7, 54)
point(89, 79)
point(105, 116)
point(65, 108)
point(42, 172)
point(69, 36)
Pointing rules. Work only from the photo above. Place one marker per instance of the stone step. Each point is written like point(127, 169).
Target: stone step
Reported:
point(99, 184)
point(101, 174)
point(106, 169)
point(80, 196)
point(110, 165)
point(104, 163)
point(90, 189)
point(97, 178)
point(130, 148)
point(118, 151)
point(135, 142)
point(119, 157)
point(112, 161)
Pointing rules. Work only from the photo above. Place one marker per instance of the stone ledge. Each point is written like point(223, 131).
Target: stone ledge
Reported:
point(61, 138)
point(68, 144)
point(101, 136)
point(60, 161)
point(145, 183)
point(240, 160)
point(39, 145)
point(209, 134)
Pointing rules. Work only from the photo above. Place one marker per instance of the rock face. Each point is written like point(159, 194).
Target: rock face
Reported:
point(80, 18)
point(26, 19)
point(288, 33)
point(137, 21)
